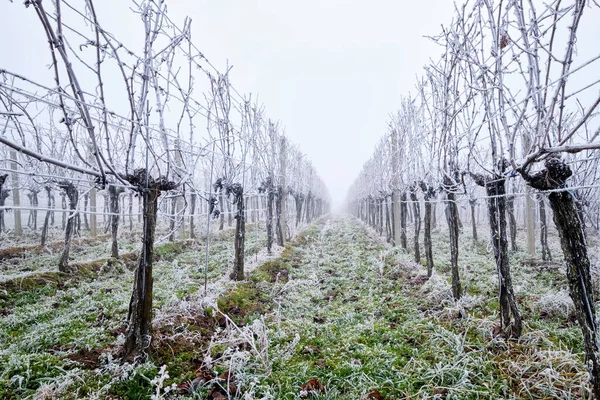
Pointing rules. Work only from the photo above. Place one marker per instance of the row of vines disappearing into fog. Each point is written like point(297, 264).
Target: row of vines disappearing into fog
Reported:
point(505, 121)
point(140, 133)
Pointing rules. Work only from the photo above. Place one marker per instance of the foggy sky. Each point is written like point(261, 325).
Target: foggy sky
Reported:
point(332, 71)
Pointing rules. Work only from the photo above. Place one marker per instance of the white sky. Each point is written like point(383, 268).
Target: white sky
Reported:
point(330, 70)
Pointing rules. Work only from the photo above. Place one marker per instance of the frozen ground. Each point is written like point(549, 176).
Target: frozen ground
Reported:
point(336, 314)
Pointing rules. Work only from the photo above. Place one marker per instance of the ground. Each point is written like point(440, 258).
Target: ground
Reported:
point(338, 314)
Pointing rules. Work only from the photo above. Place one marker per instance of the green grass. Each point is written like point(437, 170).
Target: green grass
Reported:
point(51, 323)
point(354, 329)
point(338, 305)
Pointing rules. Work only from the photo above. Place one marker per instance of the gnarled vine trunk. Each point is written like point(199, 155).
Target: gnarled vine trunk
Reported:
point(73, 194)
point(510, 317)
point(267, 187)
point(417, 221)
point(569, 224)
point(236, 190)
point(546, 255)
point(428, 194)
point(4, 193)
point(48, 216)
point(473, 204)
point(34, 202)
point(222, 214)
point(113, 195)
point(278, 207)
point(137, 336)
point(403, 212)
point(240, 232)
point(453, 228)
point(388, 224)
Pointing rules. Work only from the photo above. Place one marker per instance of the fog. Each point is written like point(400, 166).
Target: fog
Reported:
point(330, 71)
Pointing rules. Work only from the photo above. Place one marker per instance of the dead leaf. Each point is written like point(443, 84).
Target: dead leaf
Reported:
point(217, 396)
point(374, 394)
point(233, 390)
point(225, 376)
point(311, 388)
point(205, 374)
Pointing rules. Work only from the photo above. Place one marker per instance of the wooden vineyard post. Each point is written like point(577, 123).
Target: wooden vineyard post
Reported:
point(396, 191)
point(283, 191)
point(93, 217)
point(16, 198)
point(530, 218)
